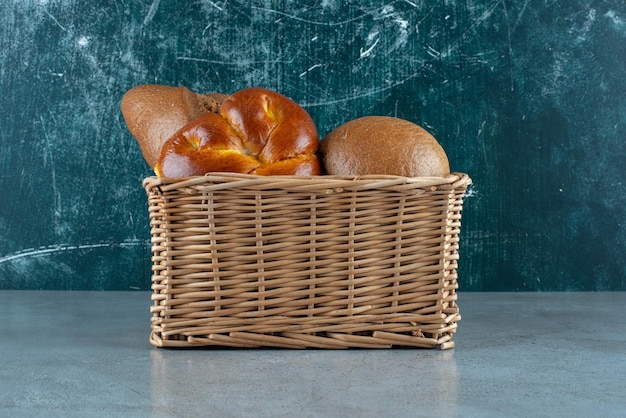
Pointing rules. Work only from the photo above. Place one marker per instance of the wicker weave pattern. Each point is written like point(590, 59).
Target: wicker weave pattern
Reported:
point(327, 262)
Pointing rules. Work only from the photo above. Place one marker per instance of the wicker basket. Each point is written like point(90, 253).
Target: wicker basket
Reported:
point(295, 262)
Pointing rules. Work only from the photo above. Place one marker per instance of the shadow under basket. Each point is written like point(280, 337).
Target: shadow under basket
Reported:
point(295, 262)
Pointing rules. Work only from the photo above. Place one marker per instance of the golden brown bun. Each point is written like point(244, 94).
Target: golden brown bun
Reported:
point(383, 145)
point(257, 131)
point(153, 113)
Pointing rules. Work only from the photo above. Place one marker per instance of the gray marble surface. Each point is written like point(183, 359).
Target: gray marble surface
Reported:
point(80, 354)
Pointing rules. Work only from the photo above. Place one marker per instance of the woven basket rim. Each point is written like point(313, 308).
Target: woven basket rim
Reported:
point(453, 180)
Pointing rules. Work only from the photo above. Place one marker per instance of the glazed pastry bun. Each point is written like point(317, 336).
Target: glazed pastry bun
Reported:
point(256, 131)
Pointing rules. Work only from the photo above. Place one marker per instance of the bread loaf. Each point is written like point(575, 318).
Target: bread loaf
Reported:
point(153, 113)
point(383, 145)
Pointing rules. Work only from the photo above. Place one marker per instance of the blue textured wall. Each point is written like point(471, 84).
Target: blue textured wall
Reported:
point(528, 97)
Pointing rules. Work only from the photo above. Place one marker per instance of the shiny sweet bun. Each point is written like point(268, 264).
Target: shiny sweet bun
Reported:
point(153, 113)
point(256, 131)
point(383, 145)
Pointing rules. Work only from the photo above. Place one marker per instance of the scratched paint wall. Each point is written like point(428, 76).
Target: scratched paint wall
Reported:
point(528, 97)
